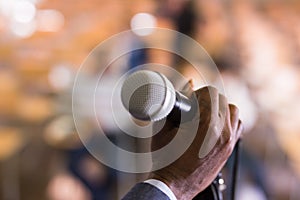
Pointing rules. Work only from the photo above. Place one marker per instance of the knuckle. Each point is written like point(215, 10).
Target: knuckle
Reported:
point(207, 90)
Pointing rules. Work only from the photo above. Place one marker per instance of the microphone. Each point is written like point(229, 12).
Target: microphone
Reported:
point(150, 96)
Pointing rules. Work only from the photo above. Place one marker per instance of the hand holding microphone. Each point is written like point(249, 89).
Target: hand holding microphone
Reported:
point(150, 96)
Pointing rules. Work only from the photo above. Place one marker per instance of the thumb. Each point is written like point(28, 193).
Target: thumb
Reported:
point(187, 89)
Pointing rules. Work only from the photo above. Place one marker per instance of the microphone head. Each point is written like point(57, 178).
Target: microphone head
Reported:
point(148, 95)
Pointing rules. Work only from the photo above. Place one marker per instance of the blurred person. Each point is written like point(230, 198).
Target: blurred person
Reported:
point(268, 46)
point(97, 178)
point(100, 180)
point(104, 182)
point(63, 186)
point(189, 175)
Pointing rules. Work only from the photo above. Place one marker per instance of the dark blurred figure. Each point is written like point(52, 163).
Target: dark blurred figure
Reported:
point(99, 179)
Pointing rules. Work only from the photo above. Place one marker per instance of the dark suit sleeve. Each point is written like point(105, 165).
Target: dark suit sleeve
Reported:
point(145, 191)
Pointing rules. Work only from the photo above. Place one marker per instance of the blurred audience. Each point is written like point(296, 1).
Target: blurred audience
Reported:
point(254, 44)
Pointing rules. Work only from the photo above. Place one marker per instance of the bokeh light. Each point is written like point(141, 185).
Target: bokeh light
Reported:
point(49, 20)
point(23, 11)
point(43, 43)
point(142, 24)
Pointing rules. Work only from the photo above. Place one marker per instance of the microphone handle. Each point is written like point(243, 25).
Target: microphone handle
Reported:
point(183, 110)
point(235, 170)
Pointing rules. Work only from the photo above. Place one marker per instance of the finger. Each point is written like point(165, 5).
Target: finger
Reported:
point(234, 117)
point(187, 89)
point(226, 133)
point(191, 83)
point(240, 129)
point(223, 108)
point(210, 96)
point(214, 95)
point(208, 99)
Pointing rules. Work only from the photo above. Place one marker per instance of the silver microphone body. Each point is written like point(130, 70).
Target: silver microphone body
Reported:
point(149, 95)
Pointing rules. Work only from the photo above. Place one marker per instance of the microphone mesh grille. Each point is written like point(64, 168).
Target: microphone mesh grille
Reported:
point(144, 99)
point(148, 95)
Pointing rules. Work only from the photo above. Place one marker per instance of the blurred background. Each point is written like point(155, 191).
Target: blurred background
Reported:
point(255, 45)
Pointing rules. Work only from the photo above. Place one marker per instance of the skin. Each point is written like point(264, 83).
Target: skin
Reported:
point(191, 173)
